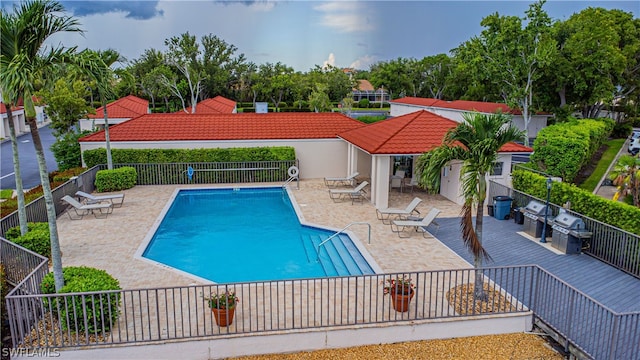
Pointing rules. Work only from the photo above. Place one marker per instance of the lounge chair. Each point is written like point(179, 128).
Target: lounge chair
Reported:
point(103, 209)
point(92, 199)
point(419, 225)
point(388, 214)
point(344, 181)
point(355, 194)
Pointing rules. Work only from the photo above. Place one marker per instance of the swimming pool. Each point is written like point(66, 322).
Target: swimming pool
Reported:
point(248, 234)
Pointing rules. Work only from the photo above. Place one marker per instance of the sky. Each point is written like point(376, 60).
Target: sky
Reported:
point(302, 34)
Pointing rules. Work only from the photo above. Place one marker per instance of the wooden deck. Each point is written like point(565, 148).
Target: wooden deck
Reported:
point(611, 287)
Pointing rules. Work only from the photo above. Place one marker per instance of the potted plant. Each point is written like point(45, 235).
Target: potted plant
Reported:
point(223, 306)
point(402, 290)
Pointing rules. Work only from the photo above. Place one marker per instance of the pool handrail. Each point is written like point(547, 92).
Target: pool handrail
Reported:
point(342, 230)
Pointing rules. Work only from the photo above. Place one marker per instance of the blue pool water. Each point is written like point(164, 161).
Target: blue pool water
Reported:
point(248, 234)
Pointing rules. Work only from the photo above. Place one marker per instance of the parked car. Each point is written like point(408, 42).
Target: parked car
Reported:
point(634, 146)
point(635, 134)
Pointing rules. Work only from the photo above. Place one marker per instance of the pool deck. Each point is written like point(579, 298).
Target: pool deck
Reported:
point(111, 243)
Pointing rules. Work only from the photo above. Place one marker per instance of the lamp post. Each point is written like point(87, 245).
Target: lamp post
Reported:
point(543, 238)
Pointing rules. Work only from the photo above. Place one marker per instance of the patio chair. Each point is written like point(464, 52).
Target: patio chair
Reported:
point(397, 180)
point(344, 181)
point(92, 199)
point(419, 225)
point(103, 209)
point(388, 214)
point(355, 194)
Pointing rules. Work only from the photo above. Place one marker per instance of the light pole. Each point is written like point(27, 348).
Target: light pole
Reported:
point(543, 238)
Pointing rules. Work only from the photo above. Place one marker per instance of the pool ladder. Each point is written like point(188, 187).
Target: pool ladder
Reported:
point(291, 179)
point(342, 231)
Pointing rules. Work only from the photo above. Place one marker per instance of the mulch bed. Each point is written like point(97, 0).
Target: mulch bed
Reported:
point(48, 333)
point(464, 302)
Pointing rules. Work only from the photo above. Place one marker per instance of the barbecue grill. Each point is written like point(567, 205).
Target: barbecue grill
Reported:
point(569, 232)
point(534, 218)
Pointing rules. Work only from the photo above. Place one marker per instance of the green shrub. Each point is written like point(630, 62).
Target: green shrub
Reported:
point(6, 193)
point(147, 156)
point(117, 179)
point(621, 130)
point(37, 238)
point(369, 119)
point(583, 202)
point(64, 176)
point(66, 150)
point(363, 103)
point(562, 149)
point(14, 232)
point(101, 310)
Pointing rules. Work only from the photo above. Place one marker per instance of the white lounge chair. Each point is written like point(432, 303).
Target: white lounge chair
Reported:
point(344, 181)
point(419, 225)
point(103, 208)
point(355, 194)
point(388, 214)
point(92, 199)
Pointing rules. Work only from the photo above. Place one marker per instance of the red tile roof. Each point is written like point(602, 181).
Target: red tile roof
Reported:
point(3, 108)
point(464, 105)
point(414, 133)
point(125, 108)
point(249, 126)
point(365, 85)
point(216, 105)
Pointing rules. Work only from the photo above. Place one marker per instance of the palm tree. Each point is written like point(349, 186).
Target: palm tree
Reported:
point(97, 65)
point(30, 25)
point(626, 175)
point(475, 142)
point(9, 102)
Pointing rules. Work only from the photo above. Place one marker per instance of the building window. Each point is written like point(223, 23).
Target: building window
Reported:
point(497, 169)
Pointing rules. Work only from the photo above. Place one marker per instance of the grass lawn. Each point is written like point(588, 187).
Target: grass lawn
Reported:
point(607, 157)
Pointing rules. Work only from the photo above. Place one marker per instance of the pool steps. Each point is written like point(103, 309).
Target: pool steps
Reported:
point(331, 256)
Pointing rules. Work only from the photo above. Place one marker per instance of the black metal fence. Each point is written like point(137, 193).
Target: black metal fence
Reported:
point(612, 245)
point(211, 173)
point(37, 211)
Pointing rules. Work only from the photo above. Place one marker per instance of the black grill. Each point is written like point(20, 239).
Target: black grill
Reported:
point(569, 233)
point(534, 218)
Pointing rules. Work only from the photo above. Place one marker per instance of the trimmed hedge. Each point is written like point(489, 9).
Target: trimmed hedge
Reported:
point(149, 156)
point(562, 149)
point(37, 238)
point(64, 176)
point(584, 202)
point(101, 310)
point(117, 179)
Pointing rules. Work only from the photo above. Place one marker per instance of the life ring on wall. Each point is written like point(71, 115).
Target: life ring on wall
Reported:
point(293, 171)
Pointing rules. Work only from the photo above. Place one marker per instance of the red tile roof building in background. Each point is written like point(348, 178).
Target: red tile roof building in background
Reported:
point(216, 105)
point(125, 108)
point(463, 105)
point(249, 126)
point(410, 134)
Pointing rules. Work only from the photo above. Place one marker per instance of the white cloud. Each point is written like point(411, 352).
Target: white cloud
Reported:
point(331, 61)
point(363, 63)
point(344, 16)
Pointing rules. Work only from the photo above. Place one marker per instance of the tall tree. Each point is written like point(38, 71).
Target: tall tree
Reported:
point(97, 65)
point(22, 211)
point(626, 176)
point(65, 103)
point(319, 100)
point(475, 142)
point(32, 23)
point(183, 53)
point(512, 55)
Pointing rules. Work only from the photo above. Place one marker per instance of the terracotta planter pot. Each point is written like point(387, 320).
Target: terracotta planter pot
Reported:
point(401, 302)
point(224, 317)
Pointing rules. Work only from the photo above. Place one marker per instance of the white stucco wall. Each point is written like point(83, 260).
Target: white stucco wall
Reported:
point(18, 122)
point(318, 157)
point(536, 123)
point(87, 124)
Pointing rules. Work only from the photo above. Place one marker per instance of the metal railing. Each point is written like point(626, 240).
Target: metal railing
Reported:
point(612, 245)
point(19, 263)
point(37, 211)
point(211, 173)
point(160, 314)
point(342, 231)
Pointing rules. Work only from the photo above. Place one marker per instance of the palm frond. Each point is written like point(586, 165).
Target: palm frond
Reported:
point(469, 236)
